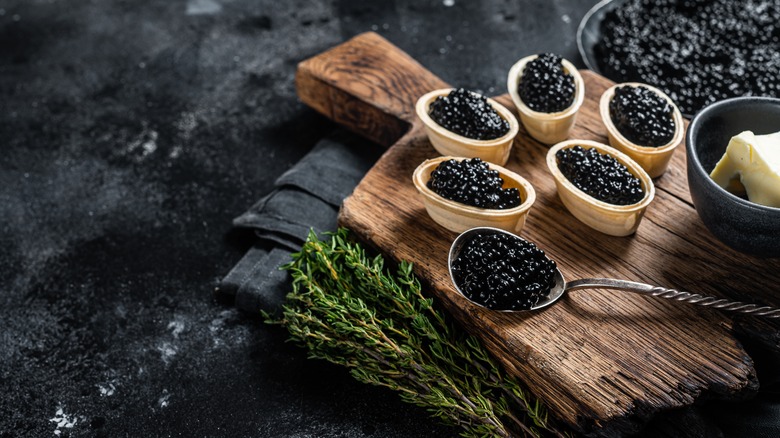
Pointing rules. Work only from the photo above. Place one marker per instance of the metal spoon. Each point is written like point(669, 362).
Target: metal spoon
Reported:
point(561, 286)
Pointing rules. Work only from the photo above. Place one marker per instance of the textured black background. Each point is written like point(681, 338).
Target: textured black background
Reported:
point(131, 133)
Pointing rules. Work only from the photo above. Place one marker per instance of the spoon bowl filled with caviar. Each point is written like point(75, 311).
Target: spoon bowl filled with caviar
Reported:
point(503, 272)
point(602, 187)
point(547, 91)
point(461, 193)
point(462, 123)
point(642, 122)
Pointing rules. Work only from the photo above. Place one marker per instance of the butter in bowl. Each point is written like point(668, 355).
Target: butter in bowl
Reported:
point(642, 122)
point(750, 168)
point(548, 91)
point(733, 156)
point(602, 187)
point(462, 123)
point(462, 193)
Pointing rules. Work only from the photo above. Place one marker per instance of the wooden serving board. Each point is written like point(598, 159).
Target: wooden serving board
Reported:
point(602, 361)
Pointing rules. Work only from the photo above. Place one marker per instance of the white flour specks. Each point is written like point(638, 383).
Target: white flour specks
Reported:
point(203, 7)
point(106, 389)
point(186, 124)
point(169, 349)
point(163, 401)
point(63, 420)
point(175, 152)
point(108, 386)
point(167, 352)
point(121, 311)
point(176, 326)
point(217, 325)
point(143, 145)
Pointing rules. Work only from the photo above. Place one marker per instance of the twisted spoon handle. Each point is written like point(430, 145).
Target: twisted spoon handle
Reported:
point(686, 297)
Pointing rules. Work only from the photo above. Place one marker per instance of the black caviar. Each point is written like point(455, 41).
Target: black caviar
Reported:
point(642, 116)
point(544, 85)
point(599, 175)
point(503, 272)
point(468, 114)
point(696, 51)
point(472, 182)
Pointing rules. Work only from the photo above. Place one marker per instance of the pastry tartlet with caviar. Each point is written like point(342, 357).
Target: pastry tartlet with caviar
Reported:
point(642, 122)
point(462, 123)
point(602, 187)
point(462, 193)
point(548, 92)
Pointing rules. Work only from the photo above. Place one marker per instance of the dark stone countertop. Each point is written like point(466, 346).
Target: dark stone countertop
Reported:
point(132, 133)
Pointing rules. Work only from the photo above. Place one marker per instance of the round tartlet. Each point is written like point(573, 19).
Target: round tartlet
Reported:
point(615, 220)
point(458, 217)
point(654, 160)
point(547, 128)
point(449, 143)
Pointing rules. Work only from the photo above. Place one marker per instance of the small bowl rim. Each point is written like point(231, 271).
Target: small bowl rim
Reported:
point(679, 131)
point(692, 151)
point(424, 103)
point(513, 80)
point(424, 170)
point(633, 166)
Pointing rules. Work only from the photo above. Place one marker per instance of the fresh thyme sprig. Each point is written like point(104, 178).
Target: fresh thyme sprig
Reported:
point(345, 307)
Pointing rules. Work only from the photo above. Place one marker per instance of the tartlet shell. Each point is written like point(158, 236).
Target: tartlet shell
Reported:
point(449, 143)
point(458, 217)
point(655, 160)
point(547, 128)
point(615, 220)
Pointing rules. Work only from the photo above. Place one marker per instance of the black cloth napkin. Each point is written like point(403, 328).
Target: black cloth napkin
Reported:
point(305, 197)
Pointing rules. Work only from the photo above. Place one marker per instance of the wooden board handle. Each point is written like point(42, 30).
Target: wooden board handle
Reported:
point(366, 84)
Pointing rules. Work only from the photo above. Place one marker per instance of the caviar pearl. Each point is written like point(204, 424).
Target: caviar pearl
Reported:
point(468, 114)
point(503, 272)
point(544, 86)
point(599, 175)
point(472, 182)
point(642, 116)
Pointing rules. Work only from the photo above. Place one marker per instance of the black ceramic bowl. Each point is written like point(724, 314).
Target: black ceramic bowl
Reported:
point(743, 225)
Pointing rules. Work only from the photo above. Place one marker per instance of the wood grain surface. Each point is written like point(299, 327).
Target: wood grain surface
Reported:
point(367, 85)
point(603, 361)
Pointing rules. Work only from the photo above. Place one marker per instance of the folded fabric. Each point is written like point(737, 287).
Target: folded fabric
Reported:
point(256, 281)
point(286, 215)
point(305, 197)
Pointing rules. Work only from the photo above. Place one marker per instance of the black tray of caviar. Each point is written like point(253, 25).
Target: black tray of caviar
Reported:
point(589, 32)
point(698, 52)
point(589, 35)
